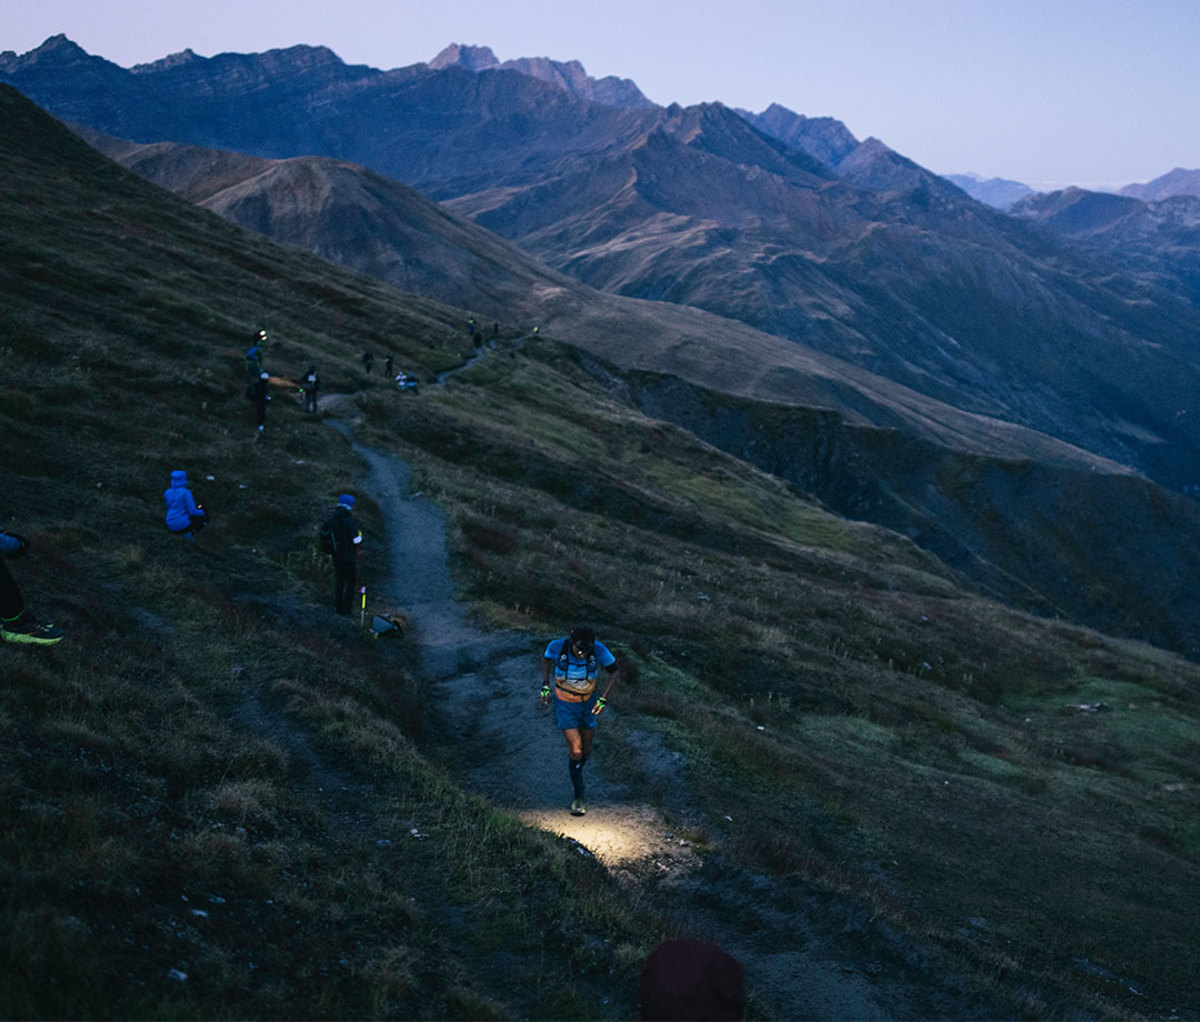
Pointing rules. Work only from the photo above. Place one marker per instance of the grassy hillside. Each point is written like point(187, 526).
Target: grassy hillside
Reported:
point(209, 786)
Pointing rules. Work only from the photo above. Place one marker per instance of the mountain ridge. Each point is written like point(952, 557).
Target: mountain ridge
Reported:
point(998, 192)
point(1175, 182)
point(567, 75)
point(221, 181)
point(1156, 241)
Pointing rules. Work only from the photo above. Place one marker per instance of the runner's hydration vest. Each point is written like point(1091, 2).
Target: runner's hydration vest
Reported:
point(562, 678)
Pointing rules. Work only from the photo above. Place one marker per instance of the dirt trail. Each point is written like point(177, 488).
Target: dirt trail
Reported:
point(807, 955)
point(487, 683)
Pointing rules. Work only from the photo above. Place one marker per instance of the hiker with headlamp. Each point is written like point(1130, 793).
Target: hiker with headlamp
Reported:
point(575, 663)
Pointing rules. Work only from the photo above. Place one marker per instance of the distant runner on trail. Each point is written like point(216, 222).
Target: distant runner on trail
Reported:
point(309, 387)
point(254, 356)
point(575, 662)
point(260, 394)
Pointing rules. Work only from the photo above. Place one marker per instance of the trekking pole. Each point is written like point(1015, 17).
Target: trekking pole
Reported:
point(362, 618)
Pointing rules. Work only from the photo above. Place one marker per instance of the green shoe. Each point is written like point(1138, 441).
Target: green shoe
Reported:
point(28, 631)
point(577, 808)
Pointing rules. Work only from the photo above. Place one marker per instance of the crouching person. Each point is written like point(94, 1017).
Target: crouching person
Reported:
point(184, 516)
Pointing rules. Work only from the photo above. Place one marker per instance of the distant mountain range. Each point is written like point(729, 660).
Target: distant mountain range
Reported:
point(1003, 194)
point(787, 224)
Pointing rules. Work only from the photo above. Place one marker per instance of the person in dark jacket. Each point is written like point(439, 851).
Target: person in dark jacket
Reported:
point(16, 623)
point(261, 396)
point(184, 516)
point(347, 539)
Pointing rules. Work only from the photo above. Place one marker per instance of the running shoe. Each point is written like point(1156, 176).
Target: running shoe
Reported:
point(29, 631)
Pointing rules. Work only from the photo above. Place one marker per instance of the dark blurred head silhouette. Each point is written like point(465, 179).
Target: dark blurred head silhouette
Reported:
point(692, 980)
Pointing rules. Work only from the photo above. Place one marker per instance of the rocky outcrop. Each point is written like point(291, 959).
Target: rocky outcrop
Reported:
point(823, 138)
point(569, 76)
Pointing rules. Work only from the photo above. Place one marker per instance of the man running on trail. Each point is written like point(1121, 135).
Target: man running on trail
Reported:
point(575, 662)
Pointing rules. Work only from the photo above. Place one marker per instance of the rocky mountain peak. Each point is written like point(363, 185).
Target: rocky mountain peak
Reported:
point(823, 138)
point(57, 51)
point(469, 58)
point(569, 76)
point(180, 59)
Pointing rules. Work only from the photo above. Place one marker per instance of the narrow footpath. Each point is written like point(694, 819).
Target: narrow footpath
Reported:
point(486, 685)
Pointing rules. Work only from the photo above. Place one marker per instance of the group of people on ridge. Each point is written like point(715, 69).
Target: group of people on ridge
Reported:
point(258, 382)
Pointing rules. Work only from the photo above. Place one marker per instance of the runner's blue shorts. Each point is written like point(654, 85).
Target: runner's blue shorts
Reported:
point(577, 716)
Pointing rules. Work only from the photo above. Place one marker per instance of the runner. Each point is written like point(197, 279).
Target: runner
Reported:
point(576, 661)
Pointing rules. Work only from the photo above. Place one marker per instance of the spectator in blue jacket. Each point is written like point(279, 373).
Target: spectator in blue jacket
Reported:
point(184, 516)
point(16, 623)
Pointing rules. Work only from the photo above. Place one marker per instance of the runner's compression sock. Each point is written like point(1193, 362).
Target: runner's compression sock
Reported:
point(575, 768)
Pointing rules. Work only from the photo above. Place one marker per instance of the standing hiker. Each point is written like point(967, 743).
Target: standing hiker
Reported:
point(387, 365)
point(368, 360)
point(575, 662)
point(16, 623)
point(309, 387)
point(260, 395)
point(184, 516)
point(340, 537)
